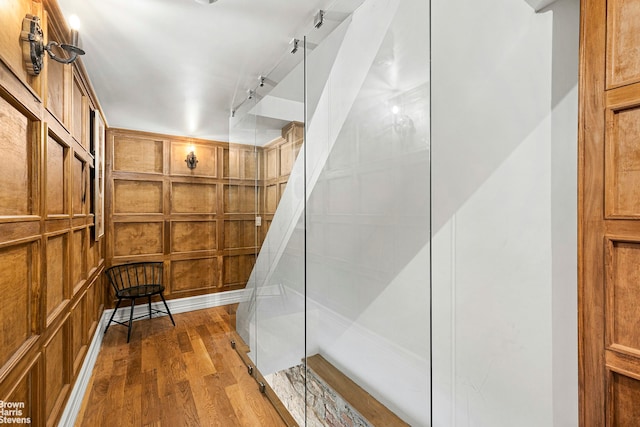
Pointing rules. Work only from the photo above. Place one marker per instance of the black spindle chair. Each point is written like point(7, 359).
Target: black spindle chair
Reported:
point(133, 281)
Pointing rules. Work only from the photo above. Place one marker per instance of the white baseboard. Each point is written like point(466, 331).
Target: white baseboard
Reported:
point(70, 413)
point(181, 305)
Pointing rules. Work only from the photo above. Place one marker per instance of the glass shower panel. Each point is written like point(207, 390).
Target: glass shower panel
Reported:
point(241, 242)
point(368, 218)
point(279, 272)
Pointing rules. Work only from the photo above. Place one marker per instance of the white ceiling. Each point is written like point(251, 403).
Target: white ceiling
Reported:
point(178, 67)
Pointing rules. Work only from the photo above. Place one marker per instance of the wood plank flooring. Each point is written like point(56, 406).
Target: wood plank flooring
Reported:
point(183, 376)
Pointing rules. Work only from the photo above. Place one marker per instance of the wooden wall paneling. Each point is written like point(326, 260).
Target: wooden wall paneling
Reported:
point(237, 269)
point(80, 186)
point(194, 274)
point(193, 236)
point(78, 105)
point(78, 259)
point(240, 198)
point(623, 39)
point(622, 155)
point(138, 238)
point(92, 316)
point(272, 166)
point(622, 295)
point(56, 98)
point(623, 396)
point(231, 161)
point(251, 166)
point(240, 234)
point(57, 372)
point(57, 168)
point(79, 328)
point(26, 391)
point(607, 156)
point(56, 290)
point(22, 95)
point(43, 250)
point(16, 163)
point(187, 197)
point(206, 154)
point(19, 286)
point(286, 158)
point(137, 154)
point(10, 49)
point(137, 197)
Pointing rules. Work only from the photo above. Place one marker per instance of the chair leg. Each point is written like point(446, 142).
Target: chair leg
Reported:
point(113, 314)
point(133, 304)
point(149, 297)
point(167, 307)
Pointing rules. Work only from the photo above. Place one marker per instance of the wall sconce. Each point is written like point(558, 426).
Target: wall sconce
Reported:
point(33, 47)
point(402, 124)
point(191, 160)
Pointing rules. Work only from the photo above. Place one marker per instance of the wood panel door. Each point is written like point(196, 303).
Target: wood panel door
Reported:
point(609, 216)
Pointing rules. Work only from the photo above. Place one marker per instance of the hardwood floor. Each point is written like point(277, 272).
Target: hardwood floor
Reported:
point(183, 376)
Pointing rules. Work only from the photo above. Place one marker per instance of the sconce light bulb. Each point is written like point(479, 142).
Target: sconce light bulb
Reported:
point(395, 109)
point(74, 22)
point(192, 149)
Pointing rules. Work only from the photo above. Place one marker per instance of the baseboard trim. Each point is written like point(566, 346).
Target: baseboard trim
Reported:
point(181, 305)
point(74, 403)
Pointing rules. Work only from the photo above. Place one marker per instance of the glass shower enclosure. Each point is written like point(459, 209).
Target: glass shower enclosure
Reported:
point(337, 303)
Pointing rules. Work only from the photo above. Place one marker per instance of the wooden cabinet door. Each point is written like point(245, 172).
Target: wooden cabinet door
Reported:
point(609, 213)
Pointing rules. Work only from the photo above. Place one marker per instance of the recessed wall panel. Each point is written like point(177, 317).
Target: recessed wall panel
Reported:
point(205, 154)
point(55, 367)
point(286, 158)
point(78, 261)
point(137, 238)
point(135, 197)
point(240, 199)
point(623, 39)
point(23, 394)
point(250, 164)
point(15, 179)
point(237, 269)
point(271, 198)
point(78, 332)
point(56, 174)
point(55, 83)
point(623, 294)
point(272, 163)
point(194, 274)
point(137, 155)
point(16, 278)
point(193, 198)
point(624, 398)
point(190, 236)
point(623, 162)
point(56, 272)
point(239, 234)
point(79, 187)
point(231, 163)
point(77, 113)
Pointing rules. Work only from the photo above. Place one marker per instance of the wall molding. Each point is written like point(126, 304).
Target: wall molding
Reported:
point(181, 305)
point(539, 5)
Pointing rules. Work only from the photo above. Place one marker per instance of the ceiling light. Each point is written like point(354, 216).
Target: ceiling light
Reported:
point(33, 47)
point(206, 1)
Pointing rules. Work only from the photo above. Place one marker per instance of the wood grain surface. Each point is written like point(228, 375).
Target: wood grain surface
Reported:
point(187, 375)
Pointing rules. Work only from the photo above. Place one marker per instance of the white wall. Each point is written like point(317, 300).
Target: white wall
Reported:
point(504, 131)
point(365, 306)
